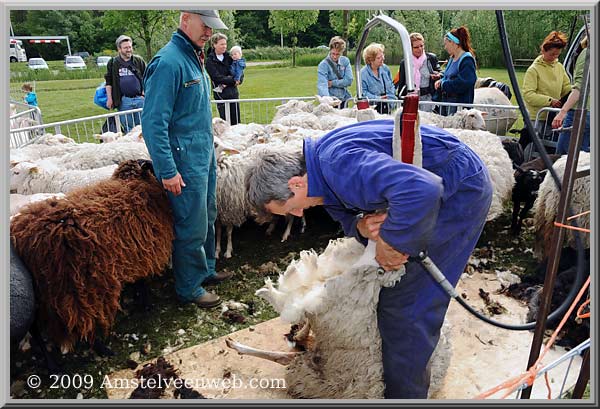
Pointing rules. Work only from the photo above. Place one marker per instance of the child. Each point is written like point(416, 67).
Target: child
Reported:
point(236, 69)
point(31, 97)
point(238, 65)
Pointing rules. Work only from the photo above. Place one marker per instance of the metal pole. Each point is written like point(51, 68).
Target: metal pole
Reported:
point(584, 377)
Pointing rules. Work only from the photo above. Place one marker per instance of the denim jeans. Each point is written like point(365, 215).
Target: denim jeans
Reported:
point(565, 136)
point(130, 120)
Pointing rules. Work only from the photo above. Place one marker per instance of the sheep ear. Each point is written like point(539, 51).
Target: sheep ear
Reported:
point(483, 114)
point(34, 170)
point(97, 136)
point(13, 163)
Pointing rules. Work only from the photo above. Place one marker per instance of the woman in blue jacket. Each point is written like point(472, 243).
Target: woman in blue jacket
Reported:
point(440, 208)
point(458, 81)
point(376, 78)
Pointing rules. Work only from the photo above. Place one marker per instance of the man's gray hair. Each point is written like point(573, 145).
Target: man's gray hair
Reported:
point(216, 37)
point(267, 178)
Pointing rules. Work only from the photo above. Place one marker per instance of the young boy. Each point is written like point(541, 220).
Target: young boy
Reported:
point(236, 69)
point(238, 65)
point(31, 97)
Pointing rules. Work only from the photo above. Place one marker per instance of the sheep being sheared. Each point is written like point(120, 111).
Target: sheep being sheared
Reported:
point(336, 293)
point(83, 248)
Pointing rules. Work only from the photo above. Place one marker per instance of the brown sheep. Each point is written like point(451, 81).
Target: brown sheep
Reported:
point(82, 249)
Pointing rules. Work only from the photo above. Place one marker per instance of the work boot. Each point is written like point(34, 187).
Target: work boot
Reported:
point(218, 277)
point(207, 300)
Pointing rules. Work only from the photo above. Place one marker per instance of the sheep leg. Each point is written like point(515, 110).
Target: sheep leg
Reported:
point(271, 226)
point(229, 250)
point(283, 358)
point(515, 227)
point(101, 349)
point(51, 362)
point(142, 292)
point(218, 238)
point(526, 208)
point(288, 229)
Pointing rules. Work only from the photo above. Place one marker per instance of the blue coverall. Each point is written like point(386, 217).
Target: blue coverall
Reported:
point(177, 124)
point(440, 208)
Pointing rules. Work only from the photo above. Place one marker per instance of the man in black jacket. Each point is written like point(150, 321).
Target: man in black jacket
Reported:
point(124, 84)
point(426, 70)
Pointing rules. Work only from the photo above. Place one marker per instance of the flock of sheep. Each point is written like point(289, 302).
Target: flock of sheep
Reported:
point(64, 177)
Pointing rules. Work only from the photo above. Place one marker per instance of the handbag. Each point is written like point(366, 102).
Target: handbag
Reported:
point(100, 96)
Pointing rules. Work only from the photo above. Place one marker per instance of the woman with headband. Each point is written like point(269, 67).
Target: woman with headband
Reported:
point(458, 81)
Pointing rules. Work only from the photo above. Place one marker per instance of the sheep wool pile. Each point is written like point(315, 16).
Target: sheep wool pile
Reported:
point(337, 293)
point(83, 248)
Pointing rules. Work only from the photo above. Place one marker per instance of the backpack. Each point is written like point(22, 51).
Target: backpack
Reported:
point(100, 96)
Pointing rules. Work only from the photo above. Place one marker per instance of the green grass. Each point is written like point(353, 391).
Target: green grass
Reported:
point(73, 98)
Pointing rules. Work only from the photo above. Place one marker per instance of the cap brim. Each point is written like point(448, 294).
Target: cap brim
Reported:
point(213, 22)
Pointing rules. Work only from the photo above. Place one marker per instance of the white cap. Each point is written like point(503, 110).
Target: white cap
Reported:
point(210, 18)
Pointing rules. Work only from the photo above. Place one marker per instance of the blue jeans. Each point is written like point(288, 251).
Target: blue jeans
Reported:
point(130, 120)
point(564, 138)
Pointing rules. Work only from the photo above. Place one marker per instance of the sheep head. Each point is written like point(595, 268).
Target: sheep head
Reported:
point(134, 169)
point(20, 172)
point(472, 119)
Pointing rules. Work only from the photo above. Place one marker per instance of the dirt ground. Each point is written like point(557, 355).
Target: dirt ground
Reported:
point(192, 339)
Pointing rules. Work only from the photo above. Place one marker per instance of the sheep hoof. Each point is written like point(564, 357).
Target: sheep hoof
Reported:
point(227, 255)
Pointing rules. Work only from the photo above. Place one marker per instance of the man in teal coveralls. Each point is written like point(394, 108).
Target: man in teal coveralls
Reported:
point(177, 124)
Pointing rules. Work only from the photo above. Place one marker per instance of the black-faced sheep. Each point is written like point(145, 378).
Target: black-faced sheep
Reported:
point(22, 298)
point(528, 178)
point(83, 248)
point(336, 293)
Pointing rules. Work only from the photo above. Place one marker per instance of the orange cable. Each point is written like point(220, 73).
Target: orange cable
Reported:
point(580, 313)
point(578, 215)
point(568, 226)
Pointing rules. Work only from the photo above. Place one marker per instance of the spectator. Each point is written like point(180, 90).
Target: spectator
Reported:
point(546, 82)
point(458, 81)
point(124, 84)
point(426, 70)
point(376, 78)
point(218, 65)
point(440, 208)
point(334, 74)
point(30, 96)
point(565, 117)
point(177, 124)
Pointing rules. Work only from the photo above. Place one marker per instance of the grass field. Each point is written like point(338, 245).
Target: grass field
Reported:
point(69, 99)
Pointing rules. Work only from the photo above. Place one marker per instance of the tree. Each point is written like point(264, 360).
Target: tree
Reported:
point(144, 25)
point(254, 28)
point(292, 22)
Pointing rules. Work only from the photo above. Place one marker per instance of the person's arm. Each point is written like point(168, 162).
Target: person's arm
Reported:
point(435, 63)
point(465, 78)
point(109, 83)
point(566, 84)
point(142, 70)
point(530, 91)
point(389, 84)
point(162, 82)
point(216, 77)
point(322, 81)
point(375, 181)
point(364, 80)
point(574, 96)
point(346, 81)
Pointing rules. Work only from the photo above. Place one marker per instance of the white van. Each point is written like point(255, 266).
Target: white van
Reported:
point(17, 52)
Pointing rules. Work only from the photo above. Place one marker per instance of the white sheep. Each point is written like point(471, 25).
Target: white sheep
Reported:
point(327, 100)
point(219, 126)
point(499, 165)
point(299, 119)
point(18, 201)
point(34, 152)
point(464, 119)
point(50, 139)
point(96, 155)
point(336, 293)
point(498, 120)
point(546, 206)
point(45, 176)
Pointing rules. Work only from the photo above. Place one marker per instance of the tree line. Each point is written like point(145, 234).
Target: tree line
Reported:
point(95, 31)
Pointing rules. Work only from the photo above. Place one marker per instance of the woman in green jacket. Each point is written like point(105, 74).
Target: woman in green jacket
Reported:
point(546, 81)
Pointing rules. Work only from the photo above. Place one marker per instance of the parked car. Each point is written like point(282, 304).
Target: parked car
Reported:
point(102, 61)
point(74, 62)
point(37, 64)
point(83, 54)
point(323, 47)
